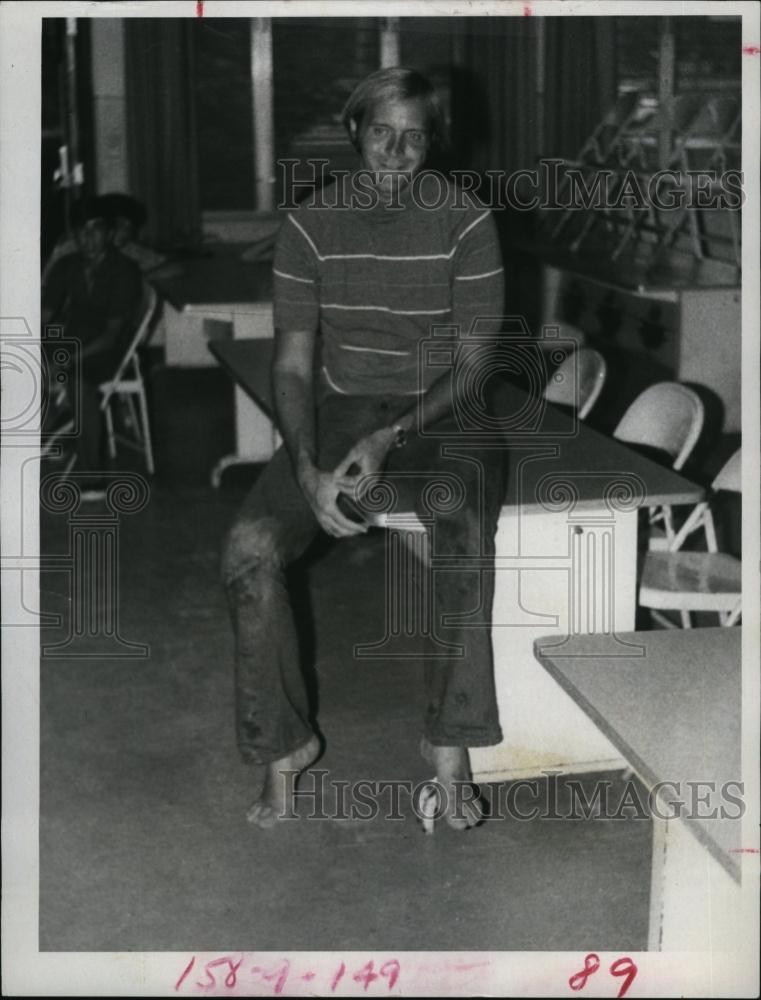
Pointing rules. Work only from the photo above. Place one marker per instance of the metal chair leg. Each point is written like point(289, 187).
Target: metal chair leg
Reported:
point(662, 619)
point(132, 413)
point(733, 616)
point(146, 427)
point(110, 430)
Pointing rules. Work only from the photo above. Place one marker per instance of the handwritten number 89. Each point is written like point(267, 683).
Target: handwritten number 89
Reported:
point(622, 968)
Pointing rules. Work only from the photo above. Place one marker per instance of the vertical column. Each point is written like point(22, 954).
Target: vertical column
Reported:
point(390, 48)
point(73, 175)
point(110, 108)
point(262, 104)
point(541, 53)
point(666, 67)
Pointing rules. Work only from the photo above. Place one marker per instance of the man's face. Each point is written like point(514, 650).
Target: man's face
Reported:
point(93, 238)
point(394, 142)
point(124, 232)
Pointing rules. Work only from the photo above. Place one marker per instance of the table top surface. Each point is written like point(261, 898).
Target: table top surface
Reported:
point(221, 277)
point(673, 711)
point(572, 457)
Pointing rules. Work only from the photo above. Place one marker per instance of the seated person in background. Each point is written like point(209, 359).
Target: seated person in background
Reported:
point(127, 217)
point(95, 294)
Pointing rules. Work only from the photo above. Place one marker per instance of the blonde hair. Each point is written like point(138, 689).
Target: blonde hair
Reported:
point(397, 84)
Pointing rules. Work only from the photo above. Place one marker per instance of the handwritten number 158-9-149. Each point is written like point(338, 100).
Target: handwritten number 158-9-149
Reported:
point(225, 972)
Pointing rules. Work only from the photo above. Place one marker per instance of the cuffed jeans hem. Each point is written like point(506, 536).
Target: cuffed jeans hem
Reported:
point(465, 739)
point(250, 755)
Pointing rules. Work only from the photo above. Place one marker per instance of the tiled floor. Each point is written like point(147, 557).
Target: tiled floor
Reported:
point(143, 841)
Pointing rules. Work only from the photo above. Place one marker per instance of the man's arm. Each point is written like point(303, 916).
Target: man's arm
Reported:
point(368, 455)
point(125, 295)
point(293, 385)
point(297, 317)
point(477, 294)
point(110, 339)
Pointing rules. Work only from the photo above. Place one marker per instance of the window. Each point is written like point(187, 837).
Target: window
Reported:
point(224, 117)
point(706, 52)
point(316, 62)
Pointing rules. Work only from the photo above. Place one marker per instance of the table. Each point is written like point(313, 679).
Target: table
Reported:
point(219, 287)
point(256, 433)
point(674, 714)
point(566, 554)
point(566, 562)
point(249, 365)
point(216, 278)
point(203, 297)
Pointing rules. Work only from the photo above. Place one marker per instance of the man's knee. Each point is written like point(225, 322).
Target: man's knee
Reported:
point(251, 545)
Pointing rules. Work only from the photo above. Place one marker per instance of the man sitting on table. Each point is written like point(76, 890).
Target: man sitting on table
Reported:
point(366, 283)
point(95, 295)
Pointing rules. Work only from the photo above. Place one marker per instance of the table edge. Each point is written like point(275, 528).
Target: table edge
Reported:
point(731, 865)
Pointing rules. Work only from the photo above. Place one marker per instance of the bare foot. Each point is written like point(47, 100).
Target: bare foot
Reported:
point(273, 802)
point(453, 773)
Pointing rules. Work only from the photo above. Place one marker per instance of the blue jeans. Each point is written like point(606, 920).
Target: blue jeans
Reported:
point(276, 525)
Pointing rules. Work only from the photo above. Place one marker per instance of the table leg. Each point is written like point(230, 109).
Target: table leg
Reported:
point(256, 438)
point(695, 904)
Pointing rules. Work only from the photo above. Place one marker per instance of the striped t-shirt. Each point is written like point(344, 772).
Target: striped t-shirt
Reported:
point(374, 282)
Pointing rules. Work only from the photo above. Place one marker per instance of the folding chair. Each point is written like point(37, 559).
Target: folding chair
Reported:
point(712, 144)
point(667, 417)
point(578, 381)
point(696, 581)
point(52, 445)
point(127, 384)
point(568, 331)
point(598, 151)
point(641, 153)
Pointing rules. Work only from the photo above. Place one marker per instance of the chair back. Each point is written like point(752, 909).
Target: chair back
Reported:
point(578, 381)
point(730, 475)
point(141, 333)
point(668, 417)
